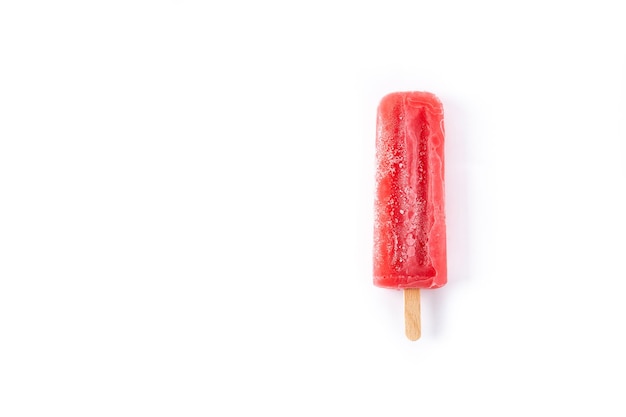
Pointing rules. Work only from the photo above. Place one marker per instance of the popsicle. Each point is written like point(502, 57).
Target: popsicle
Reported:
point(409, 221)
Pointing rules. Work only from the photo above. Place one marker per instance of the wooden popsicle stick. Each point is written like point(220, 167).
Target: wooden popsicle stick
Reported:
point(412, 322)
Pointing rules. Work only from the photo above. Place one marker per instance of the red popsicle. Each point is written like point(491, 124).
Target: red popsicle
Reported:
point(409, 228)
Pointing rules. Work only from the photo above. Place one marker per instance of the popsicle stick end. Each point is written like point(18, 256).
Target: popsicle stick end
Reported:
point(412, 320)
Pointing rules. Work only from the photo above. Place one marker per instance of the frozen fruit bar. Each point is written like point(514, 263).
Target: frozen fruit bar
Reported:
point(410, 228)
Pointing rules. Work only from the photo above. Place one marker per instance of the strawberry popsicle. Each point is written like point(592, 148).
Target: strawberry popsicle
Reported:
point(409, 228)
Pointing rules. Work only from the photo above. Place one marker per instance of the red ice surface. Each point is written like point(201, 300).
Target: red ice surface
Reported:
point(410, 228)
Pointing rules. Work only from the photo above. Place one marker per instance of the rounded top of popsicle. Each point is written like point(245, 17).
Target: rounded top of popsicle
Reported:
point(413, 99)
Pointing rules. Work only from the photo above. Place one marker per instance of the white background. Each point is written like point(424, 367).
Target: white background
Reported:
point(186, 198)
